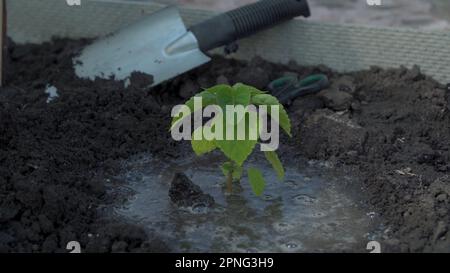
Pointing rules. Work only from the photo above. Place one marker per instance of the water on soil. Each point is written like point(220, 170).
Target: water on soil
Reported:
point(308, 212)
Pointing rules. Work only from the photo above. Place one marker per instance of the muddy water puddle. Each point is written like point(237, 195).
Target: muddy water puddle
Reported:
point(308, 212)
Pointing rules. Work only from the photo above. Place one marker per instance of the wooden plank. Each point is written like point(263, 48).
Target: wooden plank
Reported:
point(2, 38)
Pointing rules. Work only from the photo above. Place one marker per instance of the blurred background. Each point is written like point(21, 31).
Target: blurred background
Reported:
point(423, 14)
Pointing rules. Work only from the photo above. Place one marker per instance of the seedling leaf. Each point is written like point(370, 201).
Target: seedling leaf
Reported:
point(284, 120)
point(266, 99)
point(242, 98)
point(225, 96)
point(202, 146)
point(208, 98)
point(217, 88)
point(236, 150)
point(256, 180)
point(253, 91)
point(242, 95)
point(272, 157)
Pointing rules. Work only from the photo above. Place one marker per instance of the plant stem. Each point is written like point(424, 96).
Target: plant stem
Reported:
point(230, 182)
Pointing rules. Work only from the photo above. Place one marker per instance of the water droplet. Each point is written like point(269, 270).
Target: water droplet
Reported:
point(291, 245)
point(220, 229)
point(318, 214)
point(303, 199)
point(371, 214)
point(268, 197)
point(291, 184)
point(282, 226)
point(199, 208)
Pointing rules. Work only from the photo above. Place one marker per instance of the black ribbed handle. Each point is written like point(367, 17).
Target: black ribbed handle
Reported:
point(245, 21)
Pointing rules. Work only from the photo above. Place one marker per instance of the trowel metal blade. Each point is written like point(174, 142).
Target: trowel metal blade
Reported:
point(158, 45)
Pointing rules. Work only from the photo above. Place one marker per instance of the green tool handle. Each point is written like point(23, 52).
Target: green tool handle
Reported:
point(288, 88)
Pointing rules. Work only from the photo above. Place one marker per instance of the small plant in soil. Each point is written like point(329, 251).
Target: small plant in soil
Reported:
point(238, 147)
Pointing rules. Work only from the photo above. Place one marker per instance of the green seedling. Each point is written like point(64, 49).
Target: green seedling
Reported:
point(237, 148)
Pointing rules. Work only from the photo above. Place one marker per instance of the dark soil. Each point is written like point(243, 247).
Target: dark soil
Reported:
point(391, 128)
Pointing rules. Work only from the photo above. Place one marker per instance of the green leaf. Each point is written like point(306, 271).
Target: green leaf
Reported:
point(236, 150)
point(284, 121)
point(203, 146)
point(217, 88)
point(265, 99)
point(242, 94)
point(256, 180)
point(252, 128)
point(225, 96)
point(208, 98)
point(253, 90)
point(272, 157)
point(242, 98)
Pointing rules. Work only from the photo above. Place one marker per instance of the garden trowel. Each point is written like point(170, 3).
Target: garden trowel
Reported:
point(160, 45)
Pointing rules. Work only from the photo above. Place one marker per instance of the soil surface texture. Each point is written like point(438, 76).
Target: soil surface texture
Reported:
point(389, 128)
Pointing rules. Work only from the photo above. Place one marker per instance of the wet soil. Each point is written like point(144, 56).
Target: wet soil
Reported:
point(389, 128)
point(313, 210)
